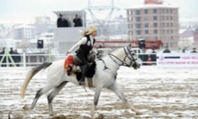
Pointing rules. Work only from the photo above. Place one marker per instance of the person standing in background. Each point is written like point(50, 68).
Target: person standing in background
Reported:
point(65, 23)
point(166, 50)
point(17, 58)
point(4, 60)
point(153, 56)
point(144, 57)
point(11, 53)
point(183, 51)
point(60, 21)
point(194, 50)
point(77, 21)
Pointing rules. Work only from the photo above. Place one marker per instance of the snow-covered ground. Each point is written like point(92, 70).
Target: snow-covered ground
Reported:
point(166, 93)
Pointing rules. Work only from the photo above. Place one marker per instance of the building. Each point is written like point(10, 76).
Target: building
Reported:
point(66, 37)
point(48, 39)
point(154, 21)
point(24, 32)
point(43, 24)
point(196, 38)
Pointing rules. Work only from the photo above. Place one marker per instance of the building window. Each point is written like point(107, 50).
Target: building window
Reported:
point(171, 11)
point(155, 24)
point(171, 31)
point(138, 19)
point(154, 10)
point(163, 31)
point(137, 12)
point(155, 31)
point(163, 18)
point(171, 24)
point(172, 37)
point(168, 31)
point(171, 17)
point(146, 11)
point(146, 25)
point(130, 12)
point(138, 32)
point(163, 24)
point(167, 11)
point(154, 17)
point(130, 26)
point(130, 19)
point(146, 18)
point(146, 31)
point(156, 38)
point(167, 17)
point(138, 25)
point(162, 11)
point(167, 24)
point(130, 32)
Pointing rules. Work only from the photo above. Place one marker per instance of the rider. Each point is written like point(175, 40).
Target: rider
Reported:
point(84, 46)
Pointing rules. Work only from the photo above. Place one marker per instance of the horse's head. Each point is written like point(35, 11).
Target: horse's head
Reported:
point(125, 57)
point(130, 59)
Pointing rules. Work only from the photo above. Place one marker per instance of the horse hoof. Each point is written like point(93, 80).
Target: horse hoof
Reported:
point(26, 107)
point(52, 114)
point(138, 113)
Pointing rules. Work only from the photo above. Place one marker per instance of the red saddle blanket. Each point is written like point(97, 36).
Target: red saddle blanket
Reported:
point(68, 62)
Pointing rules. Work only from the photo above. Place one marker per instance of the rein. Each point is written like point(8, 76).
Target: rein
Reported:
point(123, 63)
point(111, 56)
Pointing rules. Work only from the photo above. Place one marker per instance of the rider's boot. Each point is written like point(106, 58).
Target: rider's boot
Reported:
point(83, 70)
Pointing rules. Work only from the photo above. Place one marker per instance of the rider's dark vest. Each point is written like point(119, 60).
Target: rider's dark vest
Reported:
point(86, 48)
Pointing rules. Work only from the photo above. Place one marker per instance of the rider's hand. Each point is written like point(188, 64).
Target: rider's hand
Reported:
point(67, 53)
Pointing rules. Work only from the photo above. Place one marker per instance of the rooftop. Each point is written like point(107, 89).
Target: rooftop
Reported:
point(143, 6)
point(24, 26)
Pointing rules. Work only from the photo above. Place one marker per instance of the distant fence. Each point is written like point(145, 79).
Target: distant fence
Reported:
point(28, 60)
point(146, 59)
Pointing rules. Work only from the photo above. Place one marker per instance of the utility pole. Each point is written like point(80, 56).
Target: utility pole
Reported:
point(105, 22)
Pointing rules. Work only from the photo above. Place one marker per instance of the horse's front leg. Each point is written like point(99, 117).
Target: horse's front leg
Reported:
point(96, 99)
point(115, 89)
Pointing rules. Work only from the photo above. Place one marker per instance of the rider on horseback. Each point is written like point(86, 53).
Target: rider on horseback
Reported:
point(84, 46)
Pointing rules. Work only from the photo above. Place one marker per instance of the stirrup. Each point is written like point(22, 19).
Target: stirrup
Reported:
point(81, 82)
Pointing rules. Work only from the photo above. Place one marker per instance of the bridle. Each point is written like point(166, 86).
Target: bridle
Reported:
point(128, 55)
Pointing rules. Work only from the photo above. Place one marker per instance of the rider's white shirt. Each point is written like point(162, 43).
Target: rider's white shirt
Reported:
point(81, 42)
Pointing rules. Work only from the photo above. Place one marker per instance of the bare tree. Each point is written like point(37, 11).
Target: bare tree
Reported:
point(24, 44)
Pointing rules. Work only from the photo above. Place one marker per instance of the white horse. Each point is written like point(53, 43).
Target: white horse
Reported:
point(57, 78)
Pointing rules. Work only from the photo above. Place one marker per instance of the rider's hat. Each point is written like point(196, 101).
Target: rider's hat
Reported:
point(92, 29)
point(89, 31)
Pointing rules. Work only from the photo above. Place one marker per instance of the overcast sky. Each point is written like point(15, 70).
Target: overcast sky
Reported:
point(24, 11)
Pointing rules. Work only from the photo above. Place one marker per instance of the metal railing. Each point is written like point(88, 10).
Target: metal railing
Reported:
point(30, 60)
point(27, 60)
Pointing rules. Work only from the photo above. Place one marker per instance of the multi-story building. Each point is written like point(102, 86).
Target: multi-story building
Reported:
point(48, 39)
point(24, 32)
point(154, 21)
point(43, 24)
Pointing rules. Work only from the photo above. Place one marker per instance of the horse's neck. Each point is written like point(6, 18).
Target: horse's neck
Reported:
point(111, 64)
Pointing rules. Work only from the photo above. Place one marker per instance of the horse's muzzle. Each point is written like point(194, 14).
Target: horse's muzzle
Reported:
point(136, 66)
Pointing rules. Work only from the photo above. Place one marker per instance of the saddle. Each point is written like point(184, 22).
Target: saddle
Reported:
point(72, 66)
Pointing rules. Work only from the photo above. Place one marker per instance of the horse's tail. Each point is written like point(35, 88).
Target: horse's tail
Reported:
point(30, 74)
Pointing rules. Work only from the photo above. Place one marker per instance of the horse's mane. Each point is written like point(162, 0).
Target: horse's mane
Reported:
point(112, 52)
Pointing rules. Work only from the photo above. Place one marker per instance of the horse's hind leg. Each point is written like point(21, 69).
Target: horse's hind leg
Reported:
point(40, 93)
point(52, 95)
point(115, 89)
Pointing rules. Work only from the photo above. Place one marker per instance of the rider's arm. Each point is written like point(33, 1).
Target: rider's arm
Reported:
point(77, 45)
